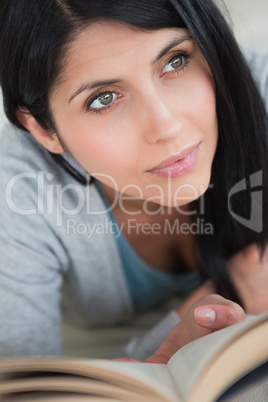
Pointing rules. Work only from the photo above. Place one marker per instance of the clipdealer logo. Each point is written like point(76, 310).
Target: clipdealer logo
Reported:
point(255, 222)
point(69, 200)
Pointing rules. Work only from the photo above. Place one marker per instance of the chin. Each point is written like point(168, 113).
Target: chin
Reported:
point(186, 193)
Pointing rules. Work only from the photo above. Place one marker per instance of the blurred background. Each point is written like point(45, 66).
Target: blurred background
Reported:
point(247, 18)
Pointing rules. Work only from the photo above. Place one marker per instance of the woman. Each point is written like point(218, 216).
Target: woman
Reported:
point(152, 116)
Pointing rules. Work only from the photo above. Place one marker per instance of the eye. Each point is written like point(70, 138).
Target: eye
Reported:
point(101, 101)
point(178, 62)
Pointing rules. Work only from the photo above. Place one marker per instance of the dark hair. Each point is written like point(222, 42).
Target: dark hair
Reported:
point(35, 35)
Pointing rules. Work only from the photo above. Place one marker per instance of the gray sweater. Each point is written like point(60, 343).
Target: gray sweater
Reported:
point(58, 256)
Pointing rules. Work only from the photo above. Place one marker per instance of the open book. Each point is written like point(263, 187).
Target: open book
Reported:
point(200, 371)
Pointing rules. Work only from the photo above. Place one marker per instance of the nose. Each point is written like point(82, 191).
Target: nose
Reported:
point(159, 117)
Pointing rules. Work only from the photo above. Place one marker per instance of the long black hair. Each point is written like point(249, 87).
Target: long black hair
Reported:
point(35, 35)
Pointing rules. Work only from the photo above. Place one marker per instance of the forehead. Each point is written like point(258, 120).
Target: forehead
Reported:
point(112, 32)
point(113, 40)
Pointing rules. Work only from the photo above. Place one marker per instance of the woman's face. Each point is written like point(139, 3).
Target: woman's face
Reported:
point(130, 104)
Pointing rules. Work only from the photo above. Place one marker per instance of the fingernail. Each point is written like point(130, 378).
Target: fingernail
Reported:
point(205, 315)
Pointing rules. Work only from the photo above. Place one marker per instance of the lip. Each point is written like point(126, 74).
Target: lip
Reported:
point(178, 164)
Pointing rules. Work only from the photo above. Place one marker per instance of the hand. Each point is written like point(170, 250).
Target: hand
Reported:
point(208, 314)
point(250, 278)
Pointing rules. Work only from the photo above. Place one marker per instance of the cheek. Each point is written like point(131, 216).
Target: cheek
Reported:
point(204, 114)
point(203, 100)
point(101, 149)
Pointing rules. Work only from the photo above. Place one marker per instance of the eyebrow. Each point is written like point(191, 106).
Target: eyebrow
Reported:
point(174, 42)
point(89, 86)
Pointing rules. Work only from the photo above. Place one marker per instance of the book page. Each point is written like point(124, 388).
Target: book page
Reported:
point(187, 365)
point(59, 397)
point(156, 376)
point(144, 379)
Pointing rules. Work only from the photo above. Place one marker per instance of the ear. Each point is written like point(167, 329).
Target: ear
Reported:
point(46, 139)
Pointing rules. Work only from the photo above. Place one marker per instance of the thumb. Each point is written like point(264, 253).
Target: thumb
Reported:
point(218, 316)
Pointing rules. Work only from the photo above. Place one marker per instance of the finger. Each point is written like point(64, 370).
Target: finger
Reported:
point(218, 316)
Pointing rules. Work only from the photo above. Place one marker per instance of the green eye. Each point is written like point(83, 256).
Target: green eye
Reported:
point(104, 99)
point(176, 62)
point(101, 101)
